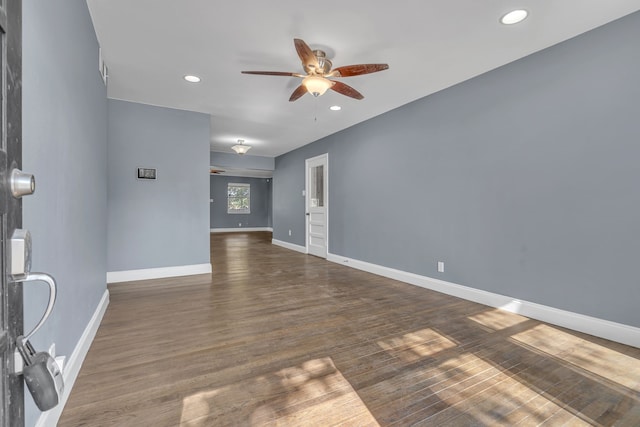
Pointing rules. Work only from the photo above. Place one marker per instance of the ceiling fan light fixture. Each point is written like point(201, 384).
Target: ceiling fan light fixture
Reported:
point(240, 148)
point(318, 68)
point(316, 85)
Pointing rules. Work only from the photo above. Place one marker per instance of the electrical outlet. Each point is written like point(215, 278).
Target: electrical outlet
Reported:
point(440, 267)
point(289, 232)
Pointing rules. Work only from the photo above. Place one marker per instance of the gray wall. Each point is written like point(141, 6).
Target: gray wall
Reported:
point(260, 215)
point(524, 180)
point(161, 223)
point(65, 146)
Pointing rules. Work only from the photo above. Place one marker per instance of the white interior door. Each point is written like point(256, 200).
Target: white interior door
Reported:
point(317, 191)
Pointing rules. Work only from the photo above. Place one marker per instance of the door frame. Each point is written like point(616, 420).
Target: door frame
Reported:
point(11, 312)
point(324, 157)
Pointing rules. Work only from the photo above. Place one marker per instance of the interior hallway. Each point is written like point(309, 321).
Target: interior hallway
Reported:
point(275, 337)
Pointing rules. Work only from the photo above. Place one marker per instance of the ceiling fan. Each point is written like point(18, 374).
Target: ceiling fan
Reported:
point(318, 69)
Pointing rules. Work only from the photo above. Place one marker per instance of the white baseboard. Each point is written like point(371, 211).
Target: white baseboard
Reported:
point(74, 363)
point(239, 229)
point(613, 331)
point(288, 245)
point(157, 273)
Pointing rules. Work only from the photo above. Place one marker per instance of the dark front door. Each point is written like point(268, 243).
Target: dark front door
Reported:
point(12, 407)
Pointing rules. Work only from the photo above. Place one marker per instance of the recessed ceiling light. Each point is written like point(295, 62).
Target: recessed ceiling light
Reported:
point(514, 17)
point(192, 79)
point(335, 108)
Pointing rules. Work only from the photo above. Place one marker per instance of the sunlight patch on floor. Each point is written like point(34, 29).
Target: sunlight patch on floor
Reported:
point(313, 393)
point(599, 360)
point(497, 319)
point(480, 393)
point(416, 345)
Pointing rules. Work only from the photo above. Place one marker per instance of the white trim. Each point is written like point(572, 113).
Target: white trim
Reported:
point(618, 332)
point(72, 367)
point(157, 273)
point(239, 229)
point(290, 246)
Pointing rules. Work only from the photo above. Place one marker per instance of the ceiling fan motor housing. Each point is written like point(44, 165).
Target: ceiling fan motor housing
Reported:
point(324, 64)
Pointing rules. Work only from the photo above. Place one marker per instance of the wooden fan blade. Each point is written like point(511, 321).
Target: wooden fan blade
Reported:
point(300, 90)
point(306, 54)
point(271, 73)
point(346, 90)
point(356, 70)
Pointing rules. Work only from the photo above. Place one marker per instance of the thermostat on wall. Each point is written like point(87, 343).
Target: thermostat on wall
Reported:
point(147, 173)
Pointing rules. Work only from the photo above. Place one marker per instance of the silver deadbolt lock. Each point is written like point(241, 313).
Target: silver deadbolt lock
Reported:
point(22, 184)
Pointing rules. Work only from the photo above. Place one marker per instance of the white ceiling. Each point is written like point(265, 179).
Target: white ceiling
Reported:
point(149, 45)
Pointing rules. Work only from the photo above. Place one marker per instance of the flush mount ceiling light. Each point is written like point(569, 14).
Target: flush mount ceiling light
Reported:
point(240, 148)
point(335, 108)
point(192, 79)
point(514, 17)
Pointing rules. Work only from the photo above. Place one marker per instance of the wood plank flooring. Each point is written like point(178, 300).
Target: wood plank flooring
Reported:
point(275, 337)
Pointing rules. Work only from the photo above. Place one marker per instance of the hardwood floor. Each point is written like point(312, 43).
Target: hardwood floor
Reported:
point(275, 337)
